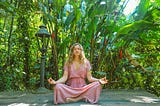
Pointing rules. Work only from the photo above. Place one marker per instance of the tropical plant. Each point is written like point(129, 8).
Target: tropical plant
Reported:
point(122, 48)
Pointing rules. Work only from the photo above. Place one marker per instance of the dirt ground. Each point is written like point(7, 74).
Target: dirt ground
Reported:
point(107, 98)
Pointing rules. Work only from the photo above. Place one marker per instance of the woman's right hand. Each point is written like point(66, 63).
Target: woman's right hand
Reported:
point(103, 80)
point(51, 81)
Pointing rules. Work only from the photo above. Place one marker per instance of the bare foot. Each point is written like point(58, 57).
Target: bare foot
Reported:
point(68, 100)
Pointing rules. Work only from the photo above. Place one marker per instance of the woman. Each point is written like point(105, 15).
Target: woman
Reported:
point(71, 87)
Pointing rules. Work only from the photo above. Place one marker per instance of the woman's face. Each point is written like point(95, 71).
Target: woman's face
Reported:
point(77, 50)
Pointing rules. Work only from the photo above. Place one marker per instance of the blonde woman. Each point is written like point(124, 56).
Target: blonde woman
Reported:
point(72, 86)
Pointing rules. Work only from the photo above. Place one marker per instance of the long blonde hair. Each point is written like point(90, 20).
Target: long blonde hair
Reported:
point(71, 55)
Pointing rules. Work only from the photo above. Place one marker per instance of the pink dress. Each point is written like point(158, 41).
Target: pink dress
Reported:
point(76, 86)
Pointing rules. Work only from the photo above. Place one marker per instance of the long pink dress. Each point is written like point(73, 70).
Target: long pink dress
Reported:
point(76, 86)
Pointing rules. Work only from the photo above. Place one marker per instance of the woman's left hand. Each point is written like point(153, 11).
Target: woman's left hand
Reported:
point(103, 80)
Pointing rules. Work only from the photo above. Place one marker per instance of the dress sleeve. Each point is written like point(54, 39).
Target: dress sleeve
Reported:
point(65, 67)
point(88, 65)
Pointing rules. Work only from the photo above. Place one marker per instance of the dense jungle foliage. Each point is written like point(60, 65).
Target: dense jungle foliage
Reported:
point(124, 48)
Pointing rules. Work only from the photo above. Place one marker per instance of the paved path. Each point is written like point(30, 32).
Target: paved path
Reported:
point(107, 98)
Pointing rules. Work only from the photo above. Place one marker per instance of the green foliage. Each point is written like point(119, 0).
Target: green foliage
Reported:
point(142, 9)
point(6, 7)
point(103, 31)
point(152, 83)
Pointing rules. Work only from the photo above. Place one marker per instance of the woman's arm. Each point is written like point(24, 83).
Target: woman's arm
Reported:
point(90, 78)
point(63, 79)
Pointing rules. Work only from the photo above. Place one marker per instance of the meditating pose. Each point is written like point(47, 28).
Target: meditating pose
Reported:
point(72, 86)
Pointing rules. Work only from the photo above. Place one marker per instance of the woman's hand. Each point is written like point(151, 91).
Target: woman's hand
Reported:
point(103, 80)
point(51, 81)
